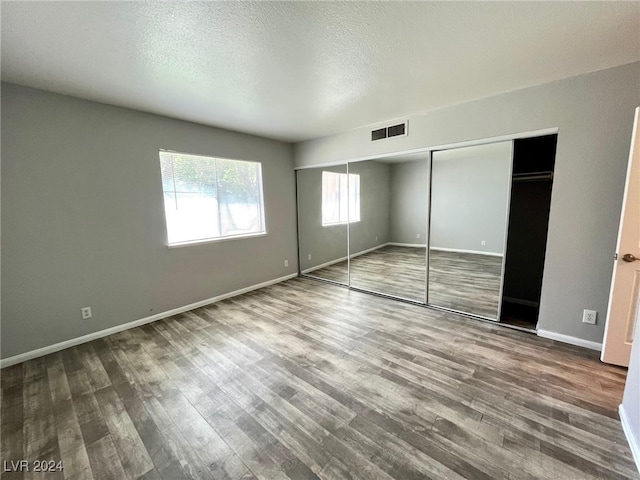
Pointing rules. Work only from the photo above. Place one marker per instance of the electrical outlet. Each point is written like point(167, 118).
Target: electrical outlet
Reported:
point(86, 313)
point(309, 257)
point(286, 263)
point(417, 235)
point(589, 316)
point(483, 243)
point(376, 238)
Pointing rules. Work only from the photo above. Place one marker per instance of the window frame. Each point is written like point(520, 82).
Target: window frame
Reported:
point(201, 241)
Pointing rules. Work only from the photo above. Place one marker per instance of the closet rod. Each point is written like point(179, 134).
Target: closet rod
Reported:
point(533, 177)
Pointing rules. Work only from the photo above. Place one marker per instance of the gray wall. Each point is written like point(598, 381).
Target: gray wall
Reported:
point(594, 115)
point(409, 202)
point(324, 244)
point(83, 221)
point(469, 196)
point(374, 206)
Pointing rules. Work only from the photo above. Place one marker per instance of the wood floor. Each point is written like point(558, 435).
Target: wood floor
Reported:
point(391, 270)
point(464, 282)
point(305, 380)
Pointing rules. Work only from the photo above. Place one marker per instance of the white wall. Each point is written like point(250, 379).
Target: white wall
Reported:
point(83, 219)
point(594, 115)
point(630, 407)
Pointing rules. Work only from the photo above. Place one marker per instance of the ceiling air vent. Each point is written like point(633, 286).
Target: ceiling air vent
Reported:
point(396, 130)
point(378, 134)
point(388, 132)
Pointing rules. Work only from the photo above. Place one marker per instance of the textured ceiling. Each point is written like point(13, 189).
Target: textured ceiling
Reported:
point(298, 70)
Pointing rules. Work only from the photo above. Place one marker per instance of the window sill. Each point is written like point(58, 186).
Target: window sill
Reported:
point(215, 240)
point(339, 224)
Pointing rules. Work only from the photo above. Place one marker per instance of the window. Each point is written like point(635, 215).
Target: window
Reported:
point(210, 198)
point(340, 198)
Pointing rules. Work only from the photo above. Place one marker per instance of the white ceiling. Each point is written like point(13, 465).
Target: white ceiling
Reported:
point(298, 70)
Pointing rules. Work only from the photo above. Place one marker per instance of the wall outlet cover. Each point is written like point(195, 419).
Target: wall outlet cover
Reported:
point(589, 316)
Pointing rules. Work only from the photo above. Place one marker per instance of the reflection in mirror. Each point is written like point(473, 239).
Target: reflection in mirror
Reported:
point(387, 243)
point(469, 208)
point(323, 205)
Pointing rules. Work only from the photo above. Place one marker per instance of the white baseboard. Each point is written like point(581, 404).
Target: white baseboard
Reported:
point(342, 259)
point(634, 442)
point(571, 340)
point(325, 264)
point(458, 250)
point(377, 247)
point(414, 245)
point(40, 352)
point(394, 244)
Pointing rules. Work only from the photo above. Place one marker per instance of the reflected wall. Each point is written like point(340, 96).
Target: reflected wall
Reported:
point(387, 245)
point(322, 222)
point(425, 227)
point(469, 207)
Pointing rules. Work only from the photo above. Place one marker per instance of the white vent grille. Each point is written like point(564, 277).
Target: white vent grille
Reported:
point(398, 130)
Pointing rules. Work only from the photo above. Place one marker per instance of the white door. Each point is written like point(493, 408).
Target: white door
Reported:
point(625, 285)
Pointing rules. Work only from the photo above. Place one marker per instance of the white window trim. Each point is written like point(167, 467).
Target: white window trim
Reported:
point(348, 222)
point(203, 241)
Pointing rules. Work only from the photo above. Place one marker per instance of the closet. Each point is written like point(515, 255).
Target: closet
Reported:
point(459, 229)
point(531, 183)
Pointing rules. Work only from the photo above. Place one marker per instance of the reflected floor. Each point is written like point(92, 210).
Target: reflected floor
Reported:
point(466, 282)
point(392, 270)
point(461, 281)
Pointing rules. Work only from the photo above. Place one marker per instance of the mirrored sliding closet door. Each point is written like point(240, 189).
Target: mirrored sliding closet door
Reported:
point(388, 231)
point(470, 189)
point(323, 208)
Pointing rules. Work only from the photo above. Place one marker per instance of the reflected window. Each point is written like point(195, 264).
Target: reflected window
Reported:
point(340, 198)
point(209, 198)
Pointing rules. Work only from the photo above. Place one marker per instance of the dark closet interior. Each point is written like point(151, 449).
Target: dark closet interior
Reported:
point(531, 183)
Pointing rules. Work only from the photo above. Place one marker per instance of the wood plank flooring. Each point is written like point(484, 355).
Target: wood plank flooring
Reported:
point(306, 380)
point(465, 282)
point(391, 270)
